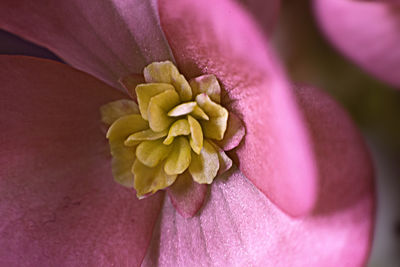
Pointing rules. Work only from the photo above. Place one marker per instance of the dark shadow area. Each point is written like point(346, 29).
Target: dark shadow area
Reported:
point(11, 44)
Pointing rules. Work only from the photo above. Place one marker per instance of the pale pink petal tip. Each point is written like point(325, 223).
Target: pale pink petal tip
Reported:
point(234, 133)
point(367, 32)
point(186, 195)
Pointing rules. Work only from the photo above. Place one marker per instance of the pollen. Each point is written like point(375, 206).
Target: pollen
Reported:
point(173, 128)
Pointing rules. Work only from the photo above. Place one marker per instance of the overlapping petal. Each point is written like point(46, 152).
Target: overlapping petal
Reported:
point(108, 38)
point(58, 201)
point(368, 32)
point(186, 195)
point(240, 227)
point(207, 37)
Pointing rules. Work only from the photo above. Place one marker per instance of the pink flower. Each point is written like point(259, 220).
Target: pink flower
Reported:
point(58, 202)
point(368, 32)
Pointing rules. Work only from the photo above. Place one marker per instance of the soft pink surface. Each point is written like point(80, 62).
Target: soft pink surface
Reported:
point(59, 205)
point(239, 226)
point(368, 32)
point(106, 38)
point(265, 11)
point(186, 195)
point(217, 37)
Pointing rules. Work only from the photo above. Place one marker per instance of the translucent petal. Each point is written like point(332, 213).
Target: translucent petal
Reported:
point(152, 153)
point(179, 158)
point(234, 133)
point(145, 135)
point(204, 167)
point(150, 180)
point(166, 72)
point(146, 91)
point(216, 126)
point(114, 110)
point(122, 161)
point(158, 108)
point(207, 84)
point(186, 195)
point(225, 163)
point(196, 135)
point(125, 126)
point(180, 127)
point(182, 109)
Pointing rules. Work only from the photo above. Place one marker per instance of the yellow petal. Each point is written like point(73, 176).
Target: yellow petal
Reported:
point(150, 153)
point(182, 109)
point(122, 161)
point(145, 92)
point(158, 107)
point(179, 158)
point(207, 84)
point(145, 135)
point(225, 163)
point(125, 126)
point(196, 135)
point(199, 114)
point(114, 110)
point(216, 126)
point(150, 180)
point(166, 72)
point(204, 167)
point(180, 127)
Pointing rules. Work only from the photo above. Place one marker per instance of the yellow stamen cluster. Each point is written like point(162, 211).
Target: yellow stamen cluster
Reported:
point(170, 131)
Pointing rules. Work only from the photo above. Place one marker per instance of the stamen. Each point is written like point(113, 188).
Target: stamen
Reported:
point(170, 131)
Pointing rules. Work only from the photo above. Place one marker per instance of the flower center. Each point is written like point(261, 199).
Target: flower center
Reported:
point(172, 129)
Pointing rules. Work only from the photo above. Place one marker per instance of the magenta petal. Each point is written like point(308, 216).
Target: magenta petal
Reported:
point(239, 226)
point(186, 195)
point(106, 38)
point(345, 168)
point(265, 11)
point(368, 32)
point(217, 37)
point(59, 204)
point(130, 82)
point(234, 133)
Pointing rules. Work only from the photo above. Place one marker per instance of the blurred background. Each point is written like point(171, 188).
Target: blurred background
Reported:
point(373, 105)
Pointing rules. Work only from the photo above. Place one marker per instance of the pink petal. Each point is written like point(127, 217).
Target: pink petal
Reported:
point(265, 11)
point(345, 168)
point(107, 38)
point(217, 37)
point(368, 32)
point(59, 204)
point(239, 226)
point(234, 133)
point(186, 195)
